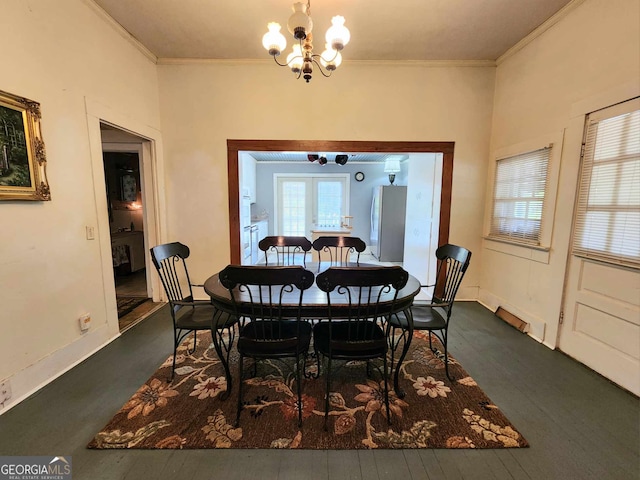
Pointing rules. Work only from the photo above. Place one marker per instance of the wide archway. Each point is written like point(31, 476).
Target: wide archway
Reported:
point(235, 146)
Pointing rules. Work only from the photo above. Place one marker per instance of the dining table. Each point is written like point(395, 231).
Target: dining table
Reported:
point(314, 307)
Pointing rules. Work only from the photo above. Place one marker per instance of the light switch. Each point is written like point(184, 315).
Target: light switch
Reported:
point(91, 234)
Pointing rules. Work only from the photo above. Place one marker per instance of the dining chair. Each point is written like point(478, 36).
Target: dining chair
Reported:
point(271, 327)
point(188, 314)
point(337, 250)
point(360, 302)
point(453, 262)
point(286, 249)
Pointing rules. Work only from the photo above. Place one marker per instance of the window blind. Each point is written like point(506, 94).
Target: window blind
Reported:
point(607, 224)
point(518, 197)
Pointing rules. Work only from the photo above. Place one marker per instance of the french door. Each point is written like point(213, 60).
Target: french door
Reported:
point(313, 201)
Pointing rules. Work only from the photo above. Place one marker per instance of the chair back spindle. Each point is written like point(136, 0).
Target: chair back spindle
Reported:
point(286, 249)
point(337, 250)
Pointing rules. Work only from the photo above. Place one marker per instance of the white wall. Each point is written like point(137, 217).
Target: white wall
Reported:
point(63, 55)
point(588, 60)
point(203, 105)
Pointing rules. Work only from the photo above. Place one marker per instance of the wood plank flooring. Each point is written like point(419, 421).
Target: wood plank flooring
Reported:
point(579, 425)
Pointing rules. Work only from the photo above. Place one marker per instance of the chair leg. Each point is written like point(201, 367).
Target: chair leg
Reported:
point(195, 336)
point(446, 356)
point(218, 344)
point(239, 405)
point(386, 388)
point(299, 382)
point(326, 400)
point(175, 352)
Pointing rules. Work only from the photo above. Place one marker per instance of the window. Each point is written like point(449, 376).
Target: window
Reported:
point(330, 195)
point(305, 203)
point(293, 206)
point(607, 225)
point(518, 197)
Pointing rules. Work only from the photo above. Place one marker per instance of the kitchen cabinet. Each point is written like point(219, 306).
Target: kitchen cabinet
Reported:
point(263, 231)
point(247, 176)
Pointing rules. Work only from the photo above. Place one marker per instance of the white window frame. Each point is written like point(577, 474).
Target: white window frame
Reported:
point(584, 200)
point(520, 162)
point(344, 177)
point(537, 252)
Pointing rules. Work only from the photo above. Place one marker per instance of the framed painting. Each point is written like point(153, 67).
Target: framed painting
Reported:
point(23, 163)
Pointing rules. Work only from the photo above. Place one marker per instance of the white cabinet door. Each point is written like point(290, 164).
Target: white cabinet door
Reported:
point(263, 229)
point(247, 175)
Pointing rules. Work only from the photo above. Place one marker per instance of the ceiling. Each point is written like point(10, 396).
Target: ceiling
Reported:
point(414, 30)
point(423, 30)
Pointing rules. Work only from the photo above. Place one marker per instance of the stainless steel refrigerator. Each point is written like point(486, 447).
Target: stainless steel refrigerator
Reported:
point(388, 210)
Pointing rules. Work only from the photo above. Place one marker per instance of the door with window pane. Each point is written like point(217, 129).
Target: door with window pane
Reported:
point(601, 311)
point(306, 203)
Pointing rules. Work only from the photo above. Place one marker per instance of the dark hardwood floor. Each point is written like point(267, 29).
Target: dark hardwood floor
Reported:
point(579, 425)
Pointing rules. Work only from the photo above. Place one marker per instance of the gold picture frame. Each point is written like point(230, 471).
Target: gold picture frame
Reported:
point(23, 163)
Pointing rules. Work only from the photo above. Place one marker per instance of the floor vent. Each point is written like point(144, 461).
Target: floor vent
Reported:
point(512, 320)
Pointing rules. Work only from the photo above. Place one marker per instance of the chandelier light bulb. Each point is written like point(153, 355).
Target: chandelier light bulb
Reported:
point(330, 58)
point(338, 35)
point(300, 23)
point(295, 59)
point(273, 41)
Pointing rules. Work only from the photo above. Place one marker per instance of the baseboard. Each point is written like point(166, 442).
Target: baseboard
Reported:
point(29, 380)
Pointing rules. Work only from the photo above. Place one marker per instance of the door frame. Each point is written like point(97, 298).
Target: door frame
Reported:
point(351, 146)
point(154, 203)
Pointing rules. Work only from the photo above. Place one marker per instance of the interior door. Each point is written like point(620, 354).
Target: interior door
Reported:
point(601, 311)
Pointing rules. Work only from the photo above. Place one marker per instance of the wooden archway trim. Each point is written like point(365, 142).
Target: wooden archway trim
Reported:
point(235, 146)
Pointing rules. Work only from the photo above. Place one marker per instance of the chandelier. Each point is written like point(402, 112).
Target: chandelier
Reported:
point(302, 58)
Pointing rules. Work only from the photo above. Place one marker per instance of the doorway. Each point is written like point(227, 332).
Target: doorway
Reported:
point(443, 156)
point(122, 156)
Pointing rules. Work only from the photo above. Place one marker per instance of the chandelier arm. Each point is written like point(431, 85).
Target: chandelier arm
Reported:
point(288, 63)
point(320, 68)
point(331, 60)
point(275, 59)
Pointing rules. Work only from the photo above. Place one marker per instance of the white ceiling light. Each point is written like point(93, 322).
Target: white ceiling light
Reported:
point(302, 58)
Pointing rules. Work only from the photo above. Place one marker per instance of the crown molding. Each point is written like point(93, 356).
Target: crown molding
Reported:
point(557, 17)
point(108, 19)
point(366, 63)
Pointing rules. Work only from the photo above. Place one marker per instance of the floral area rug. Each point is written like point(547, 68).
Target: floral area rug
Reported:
point(188, 413)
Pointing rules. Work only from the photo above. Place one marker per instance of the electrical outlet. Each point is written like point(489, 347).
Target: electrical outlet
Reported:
point(85, 322)
point(5, 392)
point(91, 234)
